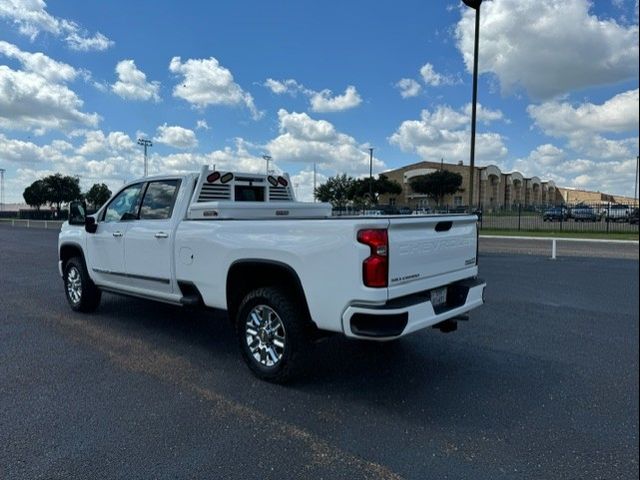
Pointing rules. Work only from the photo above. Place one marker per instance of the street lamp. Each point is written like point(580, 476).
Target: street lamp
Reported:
point(475, 4)
point(371, 174)
point(145, 143)
point(315, 172)
point(635, 188)
point(2, 170)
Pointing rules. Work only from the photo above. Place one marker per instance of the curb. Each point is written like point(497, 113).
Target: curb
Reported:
point(562, 239)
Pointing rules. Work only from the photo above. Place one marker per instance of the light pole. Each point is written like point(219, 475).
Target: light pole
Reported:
point(267, 158)
point(475, 4)
point(315, 172)
point(145, 143)
point(371, 174)
point(2, 170)
point(635, 188)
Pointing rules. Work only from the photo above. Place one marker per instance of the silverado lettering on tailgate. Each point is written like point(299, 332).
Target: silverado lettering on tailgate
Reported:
point(422, 247)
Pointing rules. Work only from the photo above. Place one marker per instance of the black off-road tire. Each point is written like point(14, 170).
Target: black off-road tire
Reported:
point(295, 322)
point(85, 299)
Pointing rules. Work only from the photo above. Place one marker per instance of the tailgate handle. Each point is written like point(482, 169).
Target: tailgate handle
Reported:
point(443, 226)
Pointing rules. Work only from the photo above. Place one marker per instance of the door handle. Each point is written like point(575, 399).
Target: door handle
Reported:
point(161, 235)
point(117, 234)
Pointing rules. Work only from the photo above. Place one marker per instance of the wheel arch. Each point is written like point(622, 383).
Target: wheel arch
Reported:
point(248, 274)
point(69, 250)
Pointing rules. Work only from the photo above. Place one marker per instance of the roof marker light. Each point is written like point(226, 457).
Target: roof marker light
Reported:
point(283, 181)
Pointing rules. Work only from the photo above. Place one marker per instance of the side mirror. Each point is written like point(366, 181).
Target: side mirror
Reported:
point(90, 224)
point(77, 213)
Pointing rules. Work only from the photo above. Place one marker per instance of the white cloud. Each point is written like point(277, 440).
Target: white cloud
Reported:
point(202, 125)
point(323, 101)
point(586, 125)
point(432, 78)
point(40, 64)
point(444, 133)
point(303, 184)
point(278, 87)
point(205, 82)
point(484, 115)
point(237, 159)
point(29, 101)
point(132, 83)
point(320, 101)
point(570, 170)
point(24, 152)
point(408, 87)
point(548, 47)
point(305, 140)
point(561, 119)
point(83, 43)
point(175, 136)
point(96, 142)
point(31, 18)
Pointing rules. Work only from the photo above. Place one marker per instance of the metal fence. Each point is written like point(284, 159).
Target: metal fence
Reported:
point(28, 223)
point(581, 217)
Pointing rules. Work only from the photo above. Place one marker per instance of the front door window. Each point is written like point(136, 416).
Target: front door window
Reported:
point(125, 205)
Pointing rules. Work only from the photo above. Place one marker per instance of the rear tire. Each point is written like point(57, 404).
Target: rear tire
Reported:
point(272, 330)
point(82, 294)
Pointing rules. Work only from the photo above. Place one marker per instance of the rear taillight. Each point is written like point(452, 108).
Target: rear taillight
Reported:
point(375, 269)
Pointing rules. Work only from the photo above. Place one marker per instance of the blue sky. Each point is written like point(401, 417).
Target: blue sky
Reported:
point(306, 82)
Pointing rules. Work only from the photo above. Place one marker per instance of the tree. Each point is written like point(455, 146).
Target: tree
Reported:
point(437, 184)
point(338, 190)
point(98, 194)
point(61, 189)
point(381, 186)
point(35, 194)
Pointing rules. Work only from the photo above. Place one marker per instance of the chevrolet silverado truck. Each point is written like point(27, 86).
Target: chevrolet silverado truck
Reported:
point(287, 272)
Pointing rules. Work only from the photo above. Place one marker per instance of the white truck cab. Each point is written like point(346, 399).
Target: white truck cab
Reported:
point(286, 271)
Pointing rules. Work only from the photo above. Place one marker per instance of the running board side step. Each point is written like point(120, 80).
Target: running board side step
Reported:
point(191, 301)
point(190, 295)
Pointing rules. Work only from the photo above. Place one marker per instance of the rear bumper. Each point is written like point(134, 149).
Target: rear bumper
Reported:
point(405, 315)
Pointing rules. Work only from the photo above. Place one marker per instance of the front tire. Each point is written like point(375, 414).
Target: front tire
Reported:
point(272, 330)
point(82, 294)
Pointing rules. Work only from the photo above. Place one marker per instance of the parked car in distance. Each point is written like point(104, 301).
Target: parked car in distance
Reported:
point(421, 211)
point(372, 212)
point(617, 213)
point(583, 213)
point(633, 217)
point(389, 209)
point(404, 211)
point(555, 214)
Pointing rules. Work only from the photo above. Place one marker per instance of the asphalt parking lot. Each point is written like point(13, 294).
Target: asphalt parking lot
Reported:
point(541, 383)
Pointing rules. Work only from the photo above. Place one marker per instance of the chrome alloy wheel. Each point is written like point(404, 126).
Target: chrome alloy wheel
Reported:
point(74, 284)
point(265, 335)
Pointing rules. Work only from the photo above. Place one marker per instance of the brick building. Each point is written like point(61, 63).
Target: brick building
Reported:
point(492, 187)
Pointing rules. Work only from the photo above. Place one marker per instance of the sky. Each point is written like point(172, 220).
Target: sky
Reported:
point(224, 83)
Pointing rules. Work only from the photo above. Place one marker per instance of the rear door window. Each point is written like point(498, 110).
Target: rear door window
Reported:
point(159, 200)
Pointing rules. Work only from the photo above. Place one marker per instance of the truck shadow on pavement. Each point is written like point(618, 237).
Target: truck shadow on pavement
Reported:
point(427, 378)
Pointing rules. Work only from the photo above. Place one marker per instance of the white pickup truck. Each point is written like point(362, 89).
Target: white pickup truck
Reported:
point(285, 271)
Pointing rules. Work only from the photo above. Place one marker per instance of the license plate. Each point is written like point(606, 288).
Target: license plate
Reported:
point(439, 296)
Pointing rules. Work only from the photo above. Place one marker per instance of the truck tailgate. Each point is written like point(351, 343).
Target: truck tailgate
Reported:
point(430, 246)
